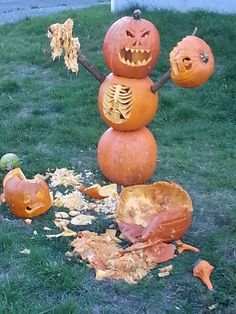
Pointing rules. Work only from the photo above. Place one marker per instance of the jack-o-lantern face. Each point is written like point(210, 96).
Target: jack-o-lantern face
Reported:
point(131, 47)
point(192, 62)
point(26, 198)
point(127, 104)
point(137, 48)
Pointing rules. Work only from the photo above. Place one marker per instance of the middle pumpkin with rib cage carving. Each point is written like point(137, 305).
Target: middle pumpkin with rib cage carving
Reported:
point(127, 151)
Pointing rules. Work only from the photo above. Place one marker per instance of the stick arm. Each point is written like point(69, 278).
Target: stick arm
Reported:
point(90, 67)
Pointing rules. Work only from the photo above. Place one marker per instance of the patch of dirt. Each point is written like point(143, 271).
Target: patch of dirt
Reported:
point(115, 300)
point(24, 112)
point(44, 148)
point(44, 111)
point(46, 76)
point(84, 159)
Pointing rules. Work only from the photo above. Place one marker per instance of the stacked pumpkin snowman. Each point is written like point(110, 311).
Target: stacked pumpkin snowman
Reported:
point(128, 100)
point(127, 151)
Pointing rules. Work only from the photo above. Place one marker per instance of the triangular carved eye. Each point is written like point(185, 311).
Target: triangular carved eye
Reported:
point(145, 34)
point(129, 34)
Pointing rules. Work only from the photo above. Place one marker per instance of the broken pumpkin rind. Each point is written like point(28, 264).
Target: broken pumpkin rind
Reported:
point(111, 261)
point(163, 209)
point(61, 38)
point(203, 271)
point(185, 247)
point(97, 191)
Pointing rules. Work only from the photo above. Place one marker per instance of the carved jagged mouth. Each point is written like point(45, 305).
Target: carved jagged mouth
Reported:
point(135, 57)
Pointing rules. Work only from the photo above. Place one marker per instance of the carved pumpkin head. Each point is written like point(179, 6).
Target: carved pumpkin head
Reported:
point(192, 62)
point(26, 198)
point(162, 210)
point(131, 47)
point(127, 104)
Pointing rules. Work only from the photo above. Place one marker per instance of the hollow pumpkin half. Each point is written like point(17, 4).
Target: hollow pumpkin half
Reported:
point(26, 197)
point(162, 210)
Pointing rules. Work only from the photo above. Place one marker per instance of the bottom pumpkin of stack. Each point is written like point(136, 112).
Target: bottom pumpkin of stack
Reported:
point(127, 158)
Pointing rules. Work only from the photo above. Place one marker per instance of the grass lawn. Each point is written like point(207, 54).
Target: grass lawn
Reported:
point(49, 117)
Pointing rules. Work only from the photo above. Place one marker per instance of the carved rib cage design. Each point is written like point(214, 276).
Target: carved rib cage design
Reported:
point(117, 103)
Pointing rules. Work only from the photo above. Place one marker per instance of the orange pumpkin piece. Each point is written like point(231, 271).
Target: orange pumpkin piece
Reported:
point(131, 47)
point(26, 198)
point(185, 247)
point(203, 271)
point(97, 191)
point(133, 232)
point(161, 211)
point(127, 158)
point(158, 251)
point(16, 172)
point(192, 62)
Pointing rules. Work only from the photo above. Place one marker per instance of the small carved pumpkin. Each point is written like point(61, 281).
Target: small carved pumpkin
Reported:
point(161, 211)
point(127, 157)
point(192, 62)
point(26, 198)
point(127, 104)
point(131, 47)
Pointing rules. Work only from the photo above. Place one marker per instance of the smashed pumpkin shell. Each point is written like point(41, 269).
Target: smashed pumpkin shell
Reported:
point(162, 210)
point(81, 220)
point(97, 191)
point(111, 261)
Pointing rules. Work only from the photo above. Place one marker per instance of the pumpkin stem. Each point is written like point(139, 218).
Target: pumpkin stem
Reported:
point(194, 31)
point(136, 14)
point(204, 57)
